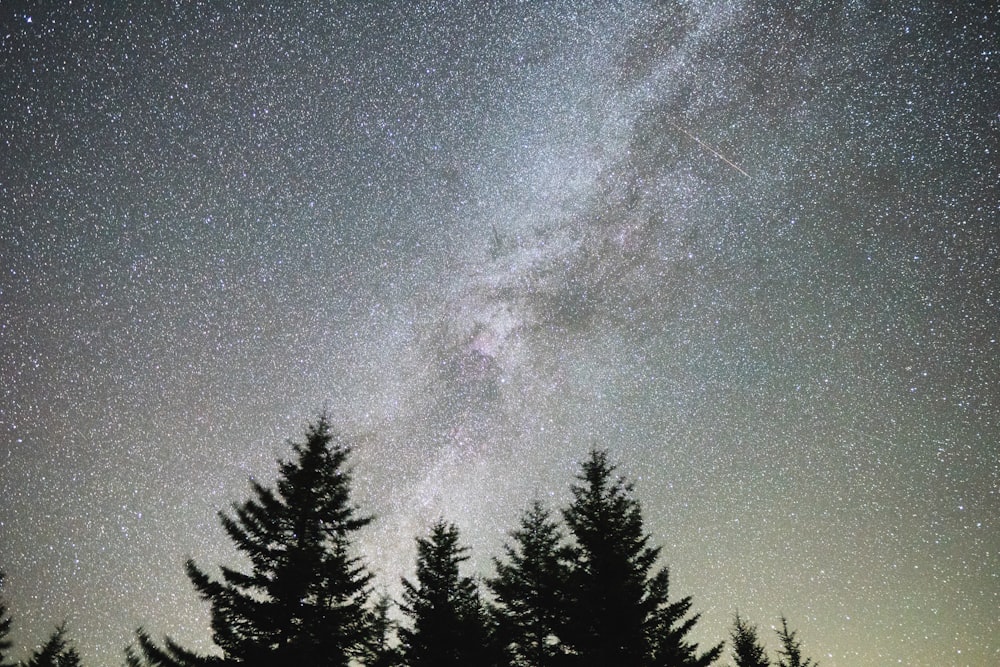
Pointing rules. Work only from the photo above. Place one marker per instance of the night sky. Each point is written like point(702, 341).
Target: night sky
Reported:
point(753, 252)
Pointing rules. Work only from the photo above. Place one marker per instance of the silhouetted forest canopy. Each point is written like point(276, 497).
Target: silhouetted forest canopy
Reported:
point(576, 586)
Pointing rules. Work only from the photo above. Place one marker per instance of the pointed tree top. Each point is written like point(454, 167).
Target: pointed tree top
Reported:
point(791, 648)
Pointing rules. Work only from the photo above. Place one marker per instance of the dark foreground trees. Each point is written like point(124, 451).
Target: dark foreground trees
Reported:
point(57, 651)
point(531, 589)
point(584, 592)
point(448, 626)
point(587, 591)
point(592, 599)
point(305, 600)
point(620, 610)
point(747, 648)
point(791, 648)
point(748, 651)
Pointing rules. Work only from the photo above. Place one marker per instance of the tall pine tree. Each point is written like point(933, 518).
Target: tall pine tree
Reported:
point(57, 651)
point(791, 648)
point(382, 651)
point(530, 588)
point(747, 649)
point(305, 599)
point(5, 625)
point(448, 626)
point(621, 613)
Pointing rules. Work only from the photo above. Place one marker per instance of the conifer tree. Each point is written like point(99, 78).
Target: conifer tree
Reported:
point(747, 649)
point(530, 588)
point(304, 601)
point(171, 654)
point(381, 651)
point(791, 648)
point(447, 623)
point(621, 613)
point(5, 625)
point(57, 651)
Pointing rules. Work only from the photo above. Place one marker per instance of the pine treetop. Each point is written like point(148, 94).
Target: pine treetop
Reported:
point(57, 651)
point(747, 649)
point(530, 586)
point(621, 609)
point(606, 519)
point(305, 597)
point(447, 625)
point(791, 648)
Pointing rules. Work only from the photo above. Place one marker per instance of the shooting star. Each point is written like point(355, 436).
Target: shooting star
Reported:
point(710, 149)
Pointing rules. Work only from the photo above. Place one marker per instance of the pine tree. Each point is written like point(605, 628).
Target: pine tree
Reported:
point(69, 658)
point(447, 622)
point(57, 651)
point(380, 650)
point(304, 602)
point(791, 648)
point(621, 613)
point(747, 649)
point(530, 588)
point(171, 654)
point(668, 626)
point(5, 625)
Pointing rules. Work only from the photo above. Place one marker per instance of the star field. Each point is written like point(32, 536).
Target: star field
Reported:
point(750, 250)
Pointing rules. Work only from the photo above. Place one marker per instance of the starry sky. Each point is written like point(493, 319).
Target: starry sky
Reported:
point(749, 248)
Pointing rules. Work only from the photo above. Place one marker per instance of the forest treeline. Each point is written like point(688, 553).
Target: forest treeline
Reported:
point(575, 588)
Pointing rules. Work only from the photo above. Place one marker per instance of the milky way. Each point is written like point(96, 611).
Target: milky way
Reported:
point(752, 252)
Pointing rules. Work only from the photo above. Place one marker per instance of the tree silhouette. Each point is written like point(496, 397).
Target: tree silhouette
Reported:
point(304, 602)
point(747, 649)
point(791, 648)
point(621, 613)
point(447, 622)
point(171, 654)
point(55, 652)
point(531, 591)
point(381, 651)
point(5, 625)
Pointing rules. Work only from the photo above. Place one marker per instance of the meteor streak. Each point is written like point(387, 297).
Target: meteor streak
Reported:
point(710, 149)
